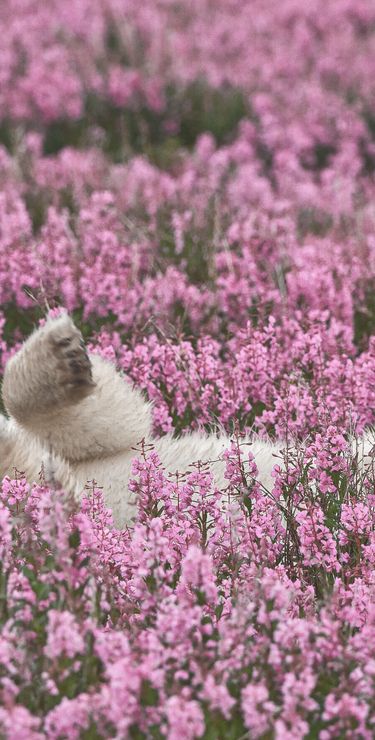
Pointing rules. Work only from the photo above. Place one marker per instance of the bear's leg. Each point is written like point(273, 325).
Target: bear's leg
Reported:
point(22, 454)
point(52, 369)
point(77, 405)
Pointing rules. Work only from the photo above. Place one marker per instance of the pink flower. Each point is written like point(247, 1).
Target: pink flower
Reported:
point(257, 708)
point(64, 638)
point(185, 719)
point(317, 544)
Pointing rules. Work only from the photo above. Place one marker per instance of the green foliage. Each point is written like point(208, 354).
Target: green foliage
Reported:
point(218, 728)
point(47, 580)
point(313, 221)
point(364, 317)
point(197, 254)
point(215, 110)
point(122, 131)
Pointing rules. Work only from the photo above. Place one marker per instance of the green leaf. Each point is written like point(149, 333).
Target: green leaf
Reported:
point(75, 539)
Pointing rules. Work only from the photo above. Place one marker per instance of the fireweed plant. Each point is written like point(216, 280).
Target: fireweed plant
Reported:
point(194, 181)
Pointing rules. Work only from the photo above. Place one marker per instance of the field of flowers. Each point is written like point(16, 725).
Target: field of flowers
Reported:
point(194, 180)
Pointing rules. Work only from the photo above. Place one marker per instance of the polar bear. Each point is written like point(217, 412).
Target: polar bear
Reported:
point(75, 410)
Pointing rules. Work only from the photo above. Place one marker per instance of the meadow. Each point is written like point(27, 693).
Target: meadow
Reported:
point(194, 181)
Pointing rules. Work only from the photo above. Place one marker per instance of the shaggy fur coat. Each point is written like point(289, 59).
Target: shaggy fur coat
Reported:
point(74, 411)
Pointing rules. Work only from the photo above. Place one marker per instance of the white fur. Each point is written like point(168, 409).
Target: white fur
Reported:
point(82, 416)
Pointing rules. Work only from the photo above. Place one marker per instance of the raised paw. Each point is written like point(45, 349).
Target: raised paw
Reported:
point(73, 366)
point(51, 370)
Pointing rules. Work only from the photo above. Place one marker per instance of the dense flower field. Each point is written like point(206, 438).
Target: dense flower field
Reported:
point(194, 180)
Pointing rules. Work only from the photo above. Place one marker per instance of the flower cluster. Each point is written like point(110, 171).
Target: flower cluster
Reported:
point(246, 608)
